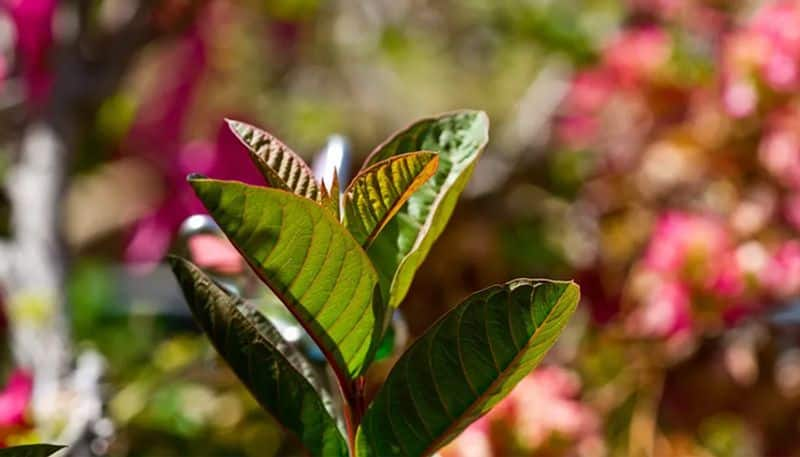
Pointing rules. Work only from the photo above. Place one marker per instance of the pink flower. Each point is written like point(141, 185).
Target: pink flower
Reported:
point(637, 54)
point(779, 22)
point(3, 71)
point(727, 278)
point(14, 399)
point(769, 49)
point(779, 150)
point(225, 159)
point(475, 441)
point(782, 274)
point(590, 90)
point(665, 312)
point(681, 241)
point(215, 253)
point(552, 389)
point(739, 97)
point(542, 406)
point(33, 23)
point(577, 130)
point(157, 136)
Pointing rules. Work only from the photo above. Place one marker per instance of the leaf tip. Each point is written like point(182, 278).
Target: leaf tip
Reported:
point(233, 124)
point(237, 127)
point(191, 177)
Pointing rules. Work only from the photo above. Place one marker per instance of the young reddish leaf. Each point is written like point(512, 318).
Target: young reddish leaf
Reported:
point(330, 200)
point(378, 192)
point(281, 167)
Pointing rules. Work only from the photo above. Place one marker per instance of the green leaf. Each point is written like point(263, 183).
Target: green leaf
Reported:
point(279, 377)
point(311, 263)
point(402, 245)
point(463, 365)
point(280, 166)
point(31, 450)
point(379, 191)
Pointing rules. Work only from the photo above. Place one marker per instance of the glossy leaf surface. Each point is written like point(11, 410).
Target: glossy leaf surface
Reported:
point(31, 450)
point(278, 376)
point(463, 365)
point(402, 245)
point(309, 260)
point(280, 166)
point(379, 191)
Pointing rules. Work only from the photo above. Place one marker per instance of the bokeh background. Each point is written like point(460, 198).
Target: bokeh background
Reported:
point(650, 149)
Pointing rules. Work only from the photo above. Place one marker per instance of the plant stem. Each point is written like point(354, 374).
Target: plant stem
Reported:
point(354, 406)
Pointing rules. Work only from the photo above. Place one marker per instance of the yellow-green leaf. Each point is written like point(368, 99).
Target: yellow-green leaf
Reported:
point(379, 191)
point(309, 260)
point(463, 365)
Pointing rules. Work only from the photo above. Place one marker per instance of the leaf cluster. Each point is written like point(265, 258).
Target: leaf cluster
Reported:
point(341, 262)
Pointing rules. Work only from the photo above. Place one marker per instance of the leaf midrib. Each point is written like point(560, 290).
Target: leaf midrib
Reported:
point(338, 371)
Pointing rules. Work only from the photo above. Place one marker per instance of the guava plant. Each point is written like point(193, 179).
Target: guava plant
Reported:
point(341, 263)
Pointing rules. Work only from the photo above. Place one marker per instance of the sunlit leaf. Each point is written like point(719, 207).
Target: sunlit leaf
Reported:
point(379, 191)
point(31, 450)
point(279, 377)
point(402, 245)
point(309, 260)
point(463, 365)
point(280, 166)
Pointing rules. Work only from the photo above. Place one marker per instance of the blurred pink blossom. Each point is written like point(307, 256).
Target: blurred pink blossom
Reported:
point(3, 71)
point(157, 136)
point(767, 48)
point(632, 59)
point(590, 90)
point(782, 274)
point(779, 150)
point(33, 20)
point(637, 54)
point(225, 159)
point(577, 130)
point(665, 312)
point(555, 390)
point(739, 97)
point(475, 441)
point(14, 399)
point(542, 406)
point(215, 253)
point(683, 240)
point(727, 279)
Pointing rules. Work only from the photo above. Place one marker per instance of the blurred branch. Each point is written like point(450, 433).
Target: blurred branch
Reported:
point(35, 279)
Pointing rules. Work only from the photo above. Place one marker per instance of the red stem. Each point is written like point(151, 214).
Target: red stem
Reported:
point(354, 407)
